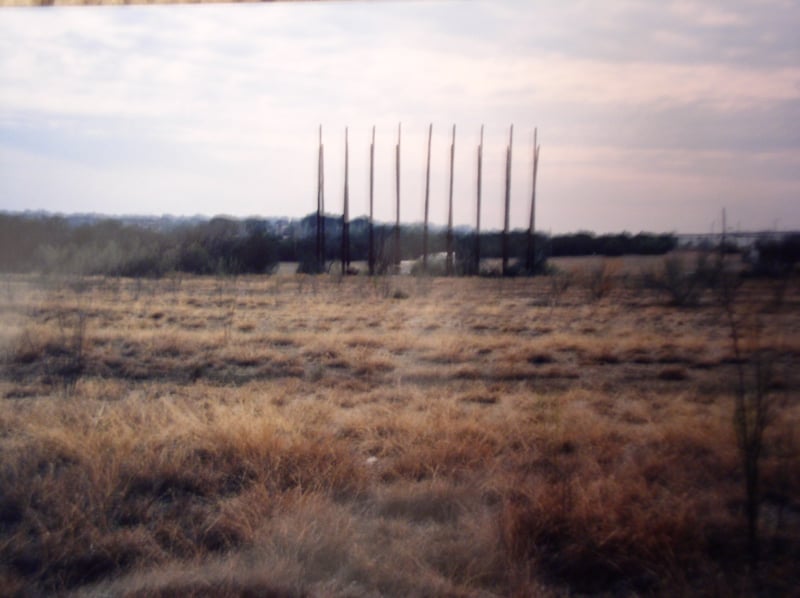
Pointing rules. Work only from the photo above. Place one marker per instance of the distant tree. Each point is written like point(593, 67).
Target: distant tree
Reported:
point(256, 253)
point(195, 259)
point(777, 257)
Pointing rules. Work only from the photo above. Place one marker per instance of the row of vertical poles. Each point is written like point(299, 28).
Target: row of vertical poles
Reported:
point(320, 219)
point(345, 250)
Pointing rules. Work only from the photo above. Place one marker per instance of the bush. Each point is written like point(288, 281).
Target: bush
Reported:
point(194, 259)
point(559, 284)
point(777, 258)
point(683, 285)
point(599, 280)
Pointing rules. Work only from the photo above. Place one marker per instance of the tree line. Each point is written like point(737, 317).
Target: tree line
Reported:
point(255, 246)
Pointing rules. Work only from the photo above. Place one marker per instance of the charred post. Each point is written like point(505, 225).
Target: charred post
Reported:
point(371, 258)
point(320, 222)
point(506, 271)
point(427, 204)
point(478, 215)
point(449, 267)
point(346, 210)
point(397, 255)
point(531, 261)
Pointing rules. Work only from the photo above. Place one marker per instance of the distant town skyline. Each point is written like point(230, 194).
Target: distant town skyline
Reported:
point(651, 116)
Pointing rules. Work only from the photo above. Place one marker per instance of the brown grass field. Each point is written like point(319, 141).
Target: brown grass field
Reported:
point(400, 436)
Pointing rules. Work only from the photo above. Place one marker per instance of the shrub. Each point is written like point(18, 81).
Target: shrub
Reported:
point(194, 259)
point(559, 284)
point(599, 280)
point(777, 258)
point(683, 285)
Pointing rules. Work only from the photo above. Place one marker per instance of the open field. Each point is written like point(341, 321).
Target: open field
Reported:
point(400, 436)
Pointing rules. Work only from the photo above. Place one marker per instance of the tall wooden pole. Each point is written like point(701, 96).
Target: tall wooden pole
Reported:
point(449, 267)
point(371, 188)
point(723, 239)
point(397, 255)
point(507, 201)
point(346, 211)
point(323, 242)
point(478, 217)
point(320, 256)
point(319, 193)
point(531, 265)
point(427, 204)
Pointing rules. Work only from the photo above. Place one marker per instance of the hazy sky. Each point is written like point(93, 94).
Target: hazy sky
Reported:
point(651, 115)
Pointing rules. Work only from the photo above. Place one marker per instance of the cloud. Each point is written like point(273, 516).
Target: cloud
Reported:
point(220, 104)
point(706, 13)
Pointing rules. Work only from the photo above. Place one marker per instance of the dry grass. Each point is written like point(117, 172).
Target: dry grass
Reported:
point(294, 436)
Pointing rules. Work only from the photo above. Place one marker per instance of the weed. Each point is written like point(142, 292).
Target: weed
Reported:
point(560, 282)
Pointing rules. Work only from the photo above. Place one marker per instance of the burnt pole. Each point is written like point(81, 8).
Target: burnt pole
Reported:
point(320, 237)
point(371, 258)
point(323, 221)
point(478, 215)
point(346, 210)
point(397, 255)
point(449, 266)
point(506, 271)
point(427, 204)
point(531, 265)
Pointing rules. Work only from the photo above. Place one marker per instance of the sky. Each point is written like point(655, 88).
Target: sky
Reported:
point(651, 116)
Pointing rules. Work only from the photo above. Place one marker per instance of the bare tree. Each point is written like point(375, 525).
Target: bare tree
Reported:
point(753, 402)
point(753, 405)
